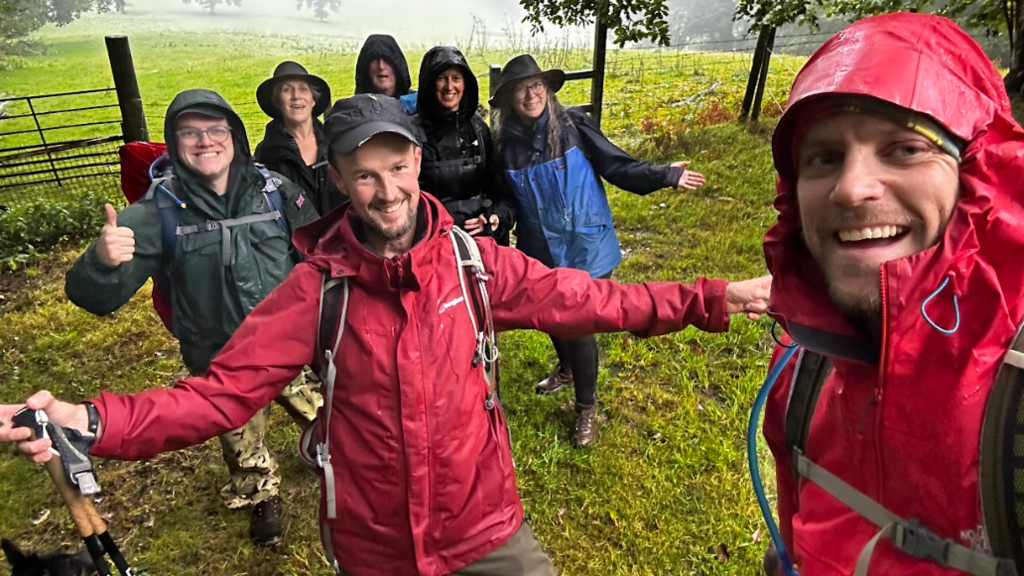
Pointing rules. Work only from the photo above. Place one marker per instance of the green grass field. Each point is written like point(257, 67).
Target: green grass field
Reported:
point(666, 489)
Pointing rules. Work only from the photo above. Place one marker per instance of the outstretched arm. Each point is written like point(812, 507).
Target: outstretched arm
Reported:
point(618, 167)
point(569, 303)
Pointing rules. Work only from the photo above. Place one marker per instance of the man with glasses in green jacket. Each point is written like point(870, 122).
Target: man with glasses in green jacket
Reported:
point(230, 248)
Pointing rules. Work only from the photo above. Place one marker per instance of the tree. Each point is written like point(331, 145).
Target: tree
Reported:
point(695, 21)
point(212, 4)
point(992, 17)
point(630, 20)
point(19, 18)
point(320, 7)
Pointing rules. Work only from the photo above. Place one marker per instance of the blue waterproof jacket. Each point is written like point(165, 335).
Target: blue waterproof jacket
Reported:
point(564, 219)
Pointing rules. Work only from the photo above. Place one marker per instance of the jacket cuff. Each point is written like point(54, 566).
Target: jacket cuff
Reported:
point(109, 443)
point(673, 176)
point(715, 304)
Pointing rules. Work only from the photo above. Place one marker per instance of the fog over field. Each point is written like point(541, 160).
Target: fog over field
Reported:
point(412, 22)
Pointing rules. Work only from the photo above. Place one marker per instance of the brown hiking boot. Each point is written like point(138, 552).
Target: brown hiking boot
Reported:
point(558, 379)
point(586, 426)
point(265, 524)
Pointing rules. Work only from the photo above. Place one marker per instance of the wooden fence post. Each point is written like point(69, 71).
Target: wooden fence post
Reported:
point(600, 53)
point(133, 117)
point(759, 62)
point(492, 86)
point(755, 111)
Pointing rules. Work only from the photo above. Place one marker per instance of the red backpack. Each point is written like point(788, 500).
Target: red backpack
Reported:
point(136, 159)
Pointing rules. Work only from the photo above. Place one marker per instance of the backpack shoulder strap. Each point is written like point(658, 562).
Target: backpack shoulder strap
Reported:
point(812, 369)
point(471, 266)
point(271, 189)
point(478, 128)
point(1001, 466)
point(334, 294)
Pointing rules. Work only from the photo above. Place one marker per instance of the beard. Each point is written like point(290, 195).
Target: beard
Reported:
point(377, 228)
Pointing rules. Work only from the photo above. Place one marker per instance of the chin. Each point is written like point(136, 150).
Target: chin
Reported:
point(859, 304)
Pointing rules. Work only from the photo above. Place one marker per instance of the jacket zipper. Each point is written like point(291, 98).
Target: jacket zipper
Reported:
point(877, 400)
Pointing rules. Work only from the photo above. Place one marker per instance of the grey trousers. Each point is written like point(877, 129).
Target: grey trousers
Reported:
point(520, 556)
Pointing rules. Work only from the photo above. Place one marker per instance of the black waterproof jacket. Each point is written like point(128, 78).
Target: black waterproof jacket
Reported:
point(382, 46)
point(280, 152)
point(460, 167)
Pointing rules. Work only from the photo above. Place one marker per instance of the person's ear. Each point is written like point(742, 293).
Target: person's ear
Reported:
point(336, 178)
point(418, 158)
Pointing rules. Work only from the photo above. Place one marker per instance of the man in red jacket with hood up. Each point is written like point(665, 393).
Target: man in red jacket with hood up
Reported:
point(418, 477)
point(896, 258)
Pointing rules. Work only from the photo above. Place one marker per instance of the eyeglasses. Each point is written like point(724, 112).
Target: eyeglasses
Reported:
point(190, 136)
point(537, 88)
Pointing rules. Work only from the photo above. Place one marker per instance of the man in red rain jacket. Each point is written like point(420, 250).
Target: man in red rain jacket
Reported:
point(896, 256)
point(421, 466)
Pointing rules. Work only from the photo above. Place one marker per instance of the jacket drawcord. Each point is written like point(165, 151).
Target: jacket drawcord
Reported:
point(956, 310)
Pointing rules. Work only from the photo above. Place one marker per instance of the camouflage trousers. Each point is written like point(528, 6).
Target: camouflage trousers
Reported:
point(253, 470)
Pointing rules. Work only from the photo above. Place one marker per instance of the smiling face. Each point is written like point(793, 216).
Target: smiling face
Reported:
point(380, 177)
point(209, 159)
point(448, 87)
point(530, 98)
point(382, 76)
point(870, 191)
point(295, 100)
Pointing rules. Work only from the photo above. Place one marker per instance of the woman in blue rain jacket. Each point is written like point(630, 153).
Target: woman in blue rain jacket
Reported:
point(552, 160)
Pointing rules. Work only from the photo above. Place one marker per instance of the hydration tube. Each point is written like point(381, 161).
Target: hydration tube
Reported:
point(755, 470)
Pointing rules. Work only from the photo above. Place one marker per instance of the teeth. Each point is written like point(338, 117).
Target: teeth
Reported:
point(391, 209)
point(869, 233)
point(208, 155)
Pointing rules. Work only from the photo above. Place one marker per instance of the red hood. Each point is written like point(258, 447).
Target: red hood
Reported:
point(929, 65)
point(331, 242)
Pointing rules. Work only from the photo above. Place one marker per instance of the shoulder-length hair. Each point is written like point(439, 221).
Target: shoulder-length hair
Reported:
point(558, 120)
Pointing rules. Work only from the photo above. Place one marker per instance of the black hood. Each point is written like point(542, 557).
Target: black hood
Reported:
point(382, 46)
point(242, 168)
point(435, 61)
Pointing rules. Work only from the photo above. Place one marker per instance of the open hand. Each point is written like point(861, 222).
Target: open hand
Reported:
point(117, 243)
point(690, 180)
point(750, 296)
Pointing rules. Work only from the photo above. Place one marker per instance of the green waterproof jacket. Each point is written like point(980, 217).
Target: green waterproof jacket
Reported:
point(216, 278)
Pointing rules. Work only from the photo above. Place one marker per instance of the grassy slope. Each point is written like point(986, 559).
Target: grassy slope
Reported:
point(667, 482)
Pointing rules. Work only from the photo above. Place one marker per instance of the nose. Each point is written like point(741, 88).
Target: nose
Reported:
point(859, 179)
point(388, 191)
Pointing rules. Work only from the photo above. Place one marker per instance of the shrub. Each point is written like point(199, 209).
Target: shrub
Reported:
point(38, 226)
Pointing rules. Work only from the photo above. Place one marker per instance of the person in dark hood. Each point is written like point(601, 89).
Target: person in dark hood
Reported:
point(459, 165)
point(381, 69)
point(293, 144)
point(232, 247)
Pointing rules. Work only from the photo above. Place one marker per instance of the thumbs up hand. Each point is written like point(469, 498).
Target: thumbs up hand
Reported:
point(116, 244)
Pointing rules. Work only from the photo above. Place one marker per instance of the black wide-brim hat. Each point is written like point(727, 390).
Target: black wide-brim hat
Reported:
point(289, 70)
point(519, 68)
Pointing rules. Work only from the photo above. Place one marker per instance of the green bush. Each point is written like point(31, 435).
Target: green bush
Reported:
point(39, 226)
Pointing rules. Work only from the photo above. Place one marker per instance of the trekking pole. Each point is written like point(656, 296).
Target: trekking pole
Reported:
point(72, 474)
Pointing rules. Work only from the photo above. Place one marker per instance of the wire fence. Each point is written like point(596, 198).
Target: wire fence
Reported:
point(58, 144)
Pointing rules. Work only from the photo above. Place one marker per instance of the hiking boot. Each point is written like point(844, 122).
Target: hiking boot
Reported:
point(265, 524)
point(558, 379)
point(586, 426)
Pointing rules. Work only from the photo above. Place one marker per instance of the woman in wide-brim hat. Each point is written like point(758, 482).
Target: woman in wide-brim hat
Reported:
point(553, 159)
point(293, 144)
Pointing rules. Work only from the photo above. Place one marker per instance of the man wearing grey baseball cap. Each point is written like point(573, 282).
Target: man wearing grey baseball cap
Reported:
point(399, 308)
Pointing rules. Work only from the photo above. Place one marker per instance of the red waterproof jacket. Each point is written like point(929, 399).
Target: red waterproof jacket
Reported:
point(901, 421)
point(424, 473)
